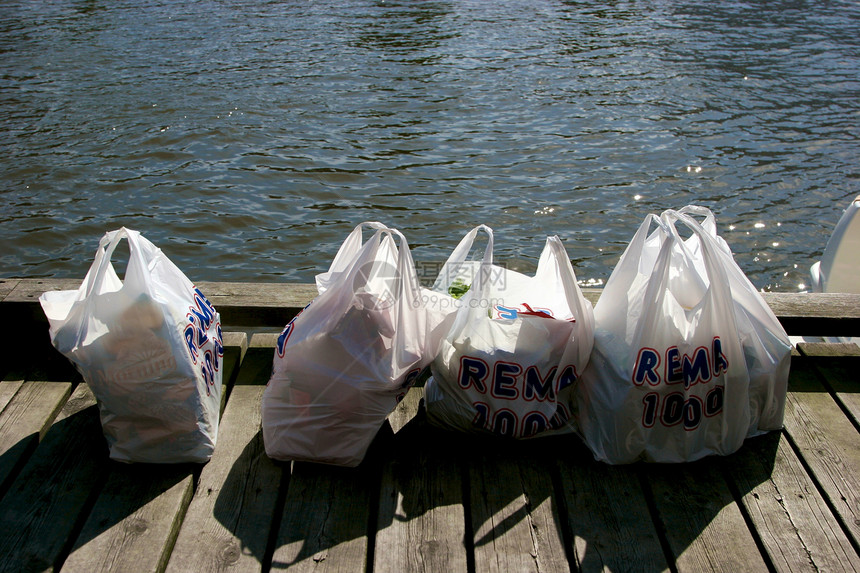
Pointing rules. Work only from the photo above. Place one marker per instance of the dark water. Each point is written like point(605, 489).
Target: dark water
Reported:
point(246, 138)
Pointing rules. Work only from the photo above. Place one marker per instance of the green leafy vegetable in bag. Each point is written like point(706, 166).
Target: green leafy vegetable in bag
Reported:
point(458, 288)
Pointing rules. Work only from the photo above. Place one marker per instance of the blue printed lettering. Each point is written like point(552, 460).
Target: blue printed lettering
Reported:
point(408, 381)
point(473, 372)
point(692, 413)
point(646, 367)
point(674, 371)
point(714, 401)
point(505, 423)
point(195, 334)
point(505, 380)
point(506, 312)
point(696, 370)
point(649, 414)
point(202, 311)
point(208, 371)
point(219, 346)
point(482, 415)
point(534, 423)
point(673, 409)
point(567, 378)
point(721, 363)
point(284, 337)
point(537, 388)
point(188, 334)
point(202, 337)
point(410, 378)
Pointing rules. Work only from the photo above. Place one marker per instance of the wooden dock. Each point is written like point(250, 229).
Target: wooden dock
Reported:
point(424, 499)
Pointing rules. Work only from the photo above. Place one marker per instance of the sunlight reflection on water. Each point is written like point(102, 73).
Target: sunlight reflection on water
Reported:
point(247, 139)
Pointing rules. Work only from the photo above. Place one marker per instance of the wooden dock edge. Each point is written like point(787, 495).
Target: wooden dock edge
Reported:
point(274, 304)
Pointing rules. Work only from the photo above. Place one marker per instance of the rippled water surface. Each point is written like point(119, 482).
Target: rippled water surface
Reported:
point(246, 138)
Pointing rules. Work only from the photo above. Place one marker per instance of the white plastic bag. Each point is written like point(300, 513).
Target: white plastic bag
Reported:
point(150, 349)
point(343, 363)
point(516, 347)
point(688, 359)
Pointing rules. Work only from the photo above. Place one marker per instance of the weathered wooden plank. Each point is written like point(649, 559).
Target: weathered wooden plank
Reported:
point(704, 527)
point(325, 519)
point(816, 314)
point(257, 364)
point(29, 290)
point(421, 523)
point(134, 521)
point(6, 286)
point(45, 503)
point(826, 440)
point(228, 522)
point(407, 410)
point(235, 345)
point(237, 342)
point(839, 364)
point(289, 295)
point(795, 526)
point(806, 304)
point(6, 335)
point(608, 517)
point(274, 304)
point(258, 304)
point(136, 518)
point(515, 518)
point(8, 388)
point(25, 420)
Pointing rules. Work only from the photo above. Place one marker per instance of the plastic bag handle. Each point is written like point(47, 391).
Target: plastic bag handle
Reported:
point(568, 276)
point(718, 285)
point(709, 223)
point(707, 239)
point(642, 234)
point(459, 254)
point(661, 266)
point(352, 244)
point(107, 245)
point(409, 279)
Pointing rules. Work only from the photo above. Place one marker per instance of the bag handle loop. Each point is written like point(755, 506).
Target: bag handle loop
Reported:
point(458, 257)
point(406, 281)
point(346, 254)
point(717, 287)
point(555, 249)
point(352, 244)
point(709, 223)
point(707, 241)
point(102, 262)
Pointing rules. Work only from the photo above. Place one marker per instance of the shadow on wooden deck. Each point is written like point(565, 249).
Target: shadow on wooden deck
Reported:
point(424, 499)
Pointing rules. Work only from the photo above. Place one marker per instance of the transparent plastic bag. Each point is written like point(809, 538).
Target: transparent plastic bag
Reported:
point(516, 347)
point(688, 359)
point(150, 349)
point(342, 364)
